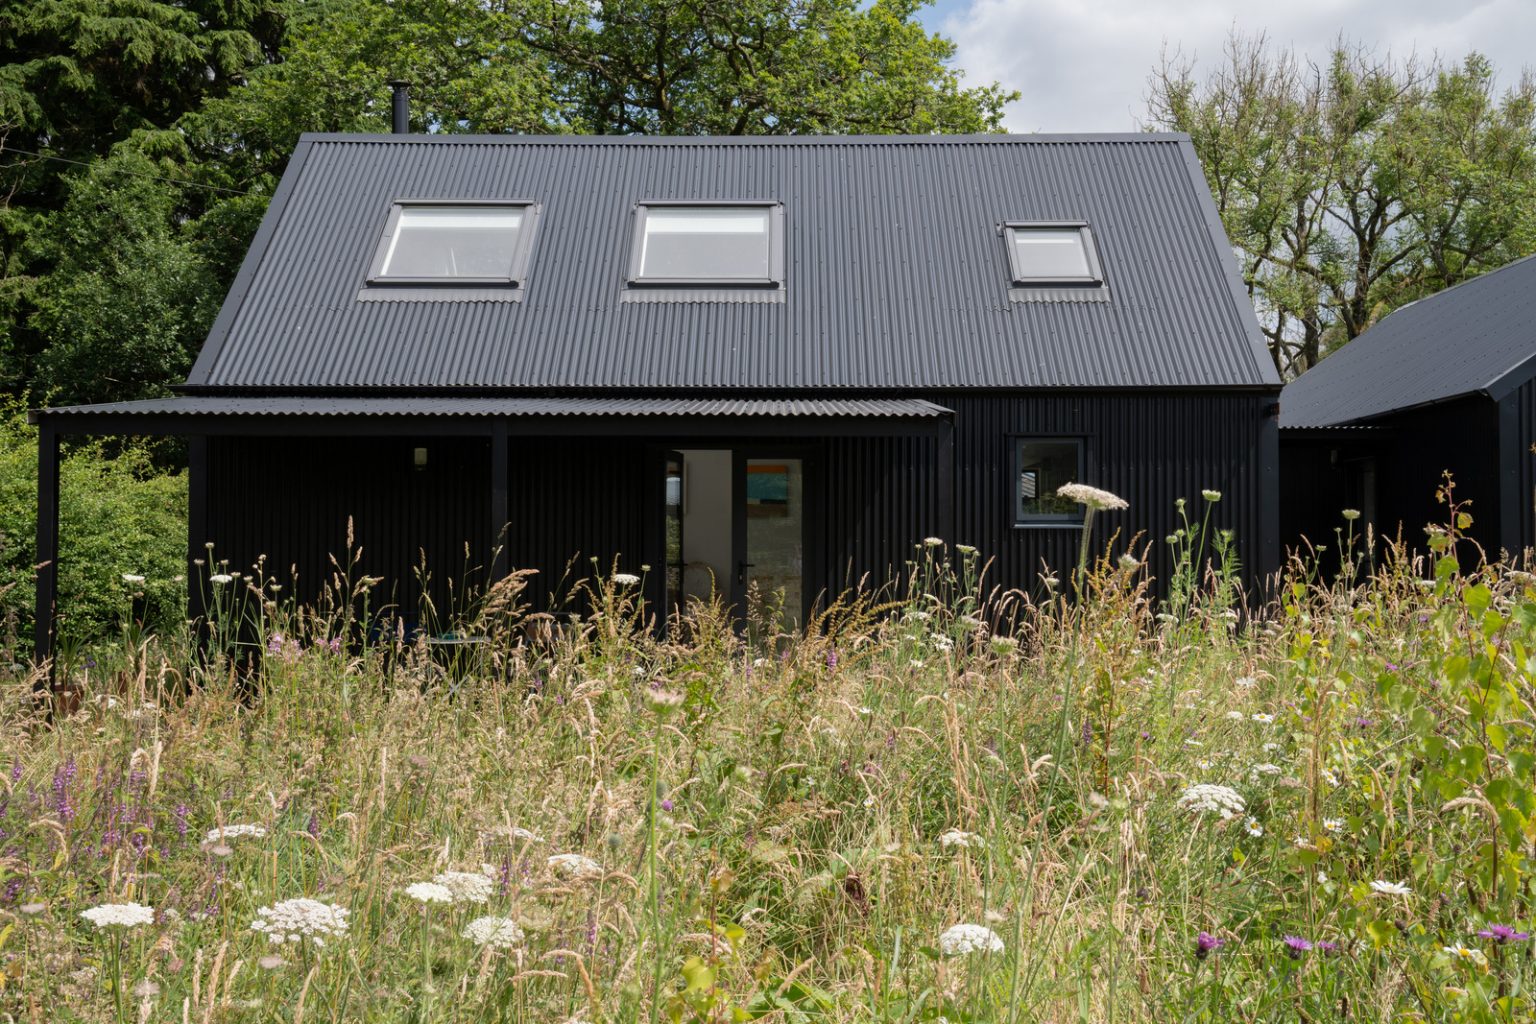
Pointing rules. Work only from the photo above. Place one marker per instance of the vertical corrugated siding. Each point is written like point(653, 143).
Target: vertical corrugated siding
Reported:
point(584, 498)
point(290, 499)
point(1524, 399)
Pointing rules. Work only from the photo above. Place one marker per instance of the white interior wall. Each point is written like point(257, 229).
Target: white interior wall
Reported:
point(706, 521)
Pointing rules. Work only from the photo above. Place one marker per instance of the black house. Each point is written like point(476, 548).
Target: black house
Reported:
point(780, 361)
point(1447, 383)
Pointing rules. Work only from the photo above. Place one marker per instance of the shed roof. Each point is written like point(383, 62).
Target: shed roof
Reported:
point(1476, 337)
point(896, 274)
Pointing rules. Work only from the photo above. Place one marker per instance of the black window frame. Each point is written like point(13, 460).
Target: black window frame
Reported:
point(517, 274)
point(1095, 277)
point(1063, 520)
point(774, 280)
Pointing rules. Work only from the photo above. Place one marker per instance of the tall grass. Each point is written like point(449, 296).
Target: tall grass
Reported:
point(766, 814)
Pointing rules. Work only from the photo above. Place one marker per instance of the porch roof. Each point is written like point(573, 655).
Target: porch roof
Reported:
point(275, 415)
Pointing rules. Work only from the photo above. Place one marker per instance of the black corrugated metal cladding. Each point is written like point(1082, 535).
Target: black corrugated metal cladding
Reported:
point(577, 499)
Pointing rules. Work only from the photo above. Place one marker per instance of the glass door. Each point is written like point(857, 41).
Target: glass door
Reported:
point(770, 512)
point(672, 520)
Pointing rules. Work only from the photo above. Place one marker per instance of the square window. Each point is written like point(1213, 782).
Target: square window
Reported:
point(1053, 253)
point(453, 243)
point(685, 245)
point(1040, 465)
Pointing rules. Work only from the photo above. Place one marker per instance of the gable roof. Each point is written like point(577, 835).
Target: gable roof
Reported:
point(1475, 337)
point(896, 274)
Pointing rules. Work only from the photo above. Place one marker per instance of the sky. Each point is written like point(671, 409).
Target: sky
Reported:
point(1082, 65)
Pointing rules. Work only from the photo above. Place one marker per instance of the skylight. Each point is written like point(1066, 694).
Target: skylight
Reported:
point(1053, 253)
point(456, 243)
point(738, 244)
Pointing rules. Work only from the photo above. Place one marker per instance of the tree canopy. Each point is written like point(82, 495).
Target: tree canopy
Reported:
point(140, 139)
point(1352, 186)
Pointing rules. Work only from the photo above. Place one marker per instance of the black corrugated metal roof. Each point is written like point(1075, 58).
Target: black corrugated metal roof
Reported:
point(1471, 338)
point(896, 275)
point(900, 408)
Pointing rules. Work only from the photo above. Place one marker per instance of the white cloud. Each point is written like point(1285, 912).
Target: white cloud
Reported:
point(1082, 65)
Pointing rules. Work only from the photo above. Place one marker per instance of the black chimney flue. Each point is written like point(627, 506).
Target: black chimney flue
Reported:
point(402, 107)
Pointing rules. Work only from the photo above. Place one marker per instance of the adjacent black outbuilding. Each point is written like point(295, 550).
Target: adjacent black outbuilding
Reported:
point(1445, 384)
point(716, 362)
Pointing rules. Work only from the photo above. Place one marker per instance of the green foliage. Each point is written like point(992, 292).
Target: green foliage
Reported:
point(1356, 185)
point(118, 516)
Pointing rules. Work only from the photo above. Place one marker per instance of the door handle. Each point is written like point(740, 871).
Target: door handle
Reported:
point(741, 571)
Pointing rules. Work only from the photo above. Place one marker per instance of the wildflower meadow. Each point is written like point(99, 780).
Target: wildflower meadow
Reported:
point(1100, 801)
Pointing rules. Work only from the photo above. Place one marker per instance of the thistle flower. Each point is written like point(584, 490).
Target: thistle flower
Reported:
point(496, 932)
point(429, 892)
point(1093, 497)
point(1206, 944)
point(466, 886)
point(964, 939)
point(1502, 933)
point(575, 866)
point(225, 832)
point(1385, 888)
point(1295, 945)
point(119, 915)
point(299, 919)
point(956, 837)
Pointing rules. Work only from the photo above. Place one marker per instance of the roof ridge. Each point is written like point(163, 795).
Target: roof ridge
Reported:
point(990, 138)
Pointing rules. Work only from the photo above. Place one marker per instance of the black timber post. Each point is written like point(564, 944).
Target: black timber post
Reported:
point(500, 457)
point(944, 482)
point(1269, 491)
point(197, 535)
point(47, 555)
point(1510, 500)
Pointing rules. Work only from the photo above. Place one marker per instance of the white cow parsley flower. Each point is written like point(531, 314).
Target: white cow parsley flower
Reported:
point(575, 865)
point(1205, 798)
point(1093, 497)
point(235, 832)
point(299, 919)
point(429, 892)
point(956, 837)
point(119, 915)
point(964, 939)
point(496, 932)
point(466, 886)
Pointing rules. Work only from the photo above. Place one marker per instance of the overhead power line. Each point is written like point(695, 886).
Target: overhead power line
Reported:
point(122, 170)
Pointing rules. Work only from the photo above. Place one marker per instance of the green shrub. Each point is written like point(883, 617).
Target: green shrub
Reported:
point(118, 515)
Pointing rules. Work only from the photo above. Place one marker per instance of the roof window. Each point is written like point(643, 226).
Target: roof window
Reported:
point(692, 244)
point(428, 242)
point(1053, 253)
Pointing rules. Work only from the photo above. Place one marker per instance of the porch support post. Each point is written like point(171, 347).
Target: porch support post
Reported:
point(197, 534)
point(945, 481)
point(47, 557)
point(499, 514)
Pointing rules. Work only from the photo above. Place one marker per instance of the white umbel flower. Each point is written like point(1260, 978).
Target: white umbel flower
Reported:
point(299, 919)
point(575, 866)
point(1093, 497)
point(1384, 888)
point(955, 837)
point(964, 939)
point(429, 892)
point(221, 578)
point(1206, 798)
point(496, 932)
point(119, 915)
point(235, 832)
point(466, 886)
point(132, 578)
point(625, 579)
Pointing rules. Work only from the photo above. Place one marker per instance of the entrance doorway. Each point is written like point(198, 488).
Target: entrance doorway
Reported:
point(736, 528)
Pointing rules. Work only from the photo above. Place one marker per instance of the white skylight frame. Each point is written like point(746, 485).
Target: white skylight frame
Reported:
point(517, 270)
point(773, 212)
point(1067, 232)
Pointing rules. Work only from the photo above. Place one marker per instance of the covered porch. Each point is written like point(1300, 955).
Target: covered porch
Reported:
point(799, 495)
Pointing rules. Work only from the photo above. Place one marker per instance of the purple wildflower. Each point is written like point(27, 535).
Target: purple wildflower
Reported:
point(666, 805)
point(1502, 933)
point(275, 645)
point(1324, 946)
point(1295, 945)
point(313, 825)
point(16, 770)
point(831, 659)
point(334, 643)
point(1206, 944)
point(182, 813)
